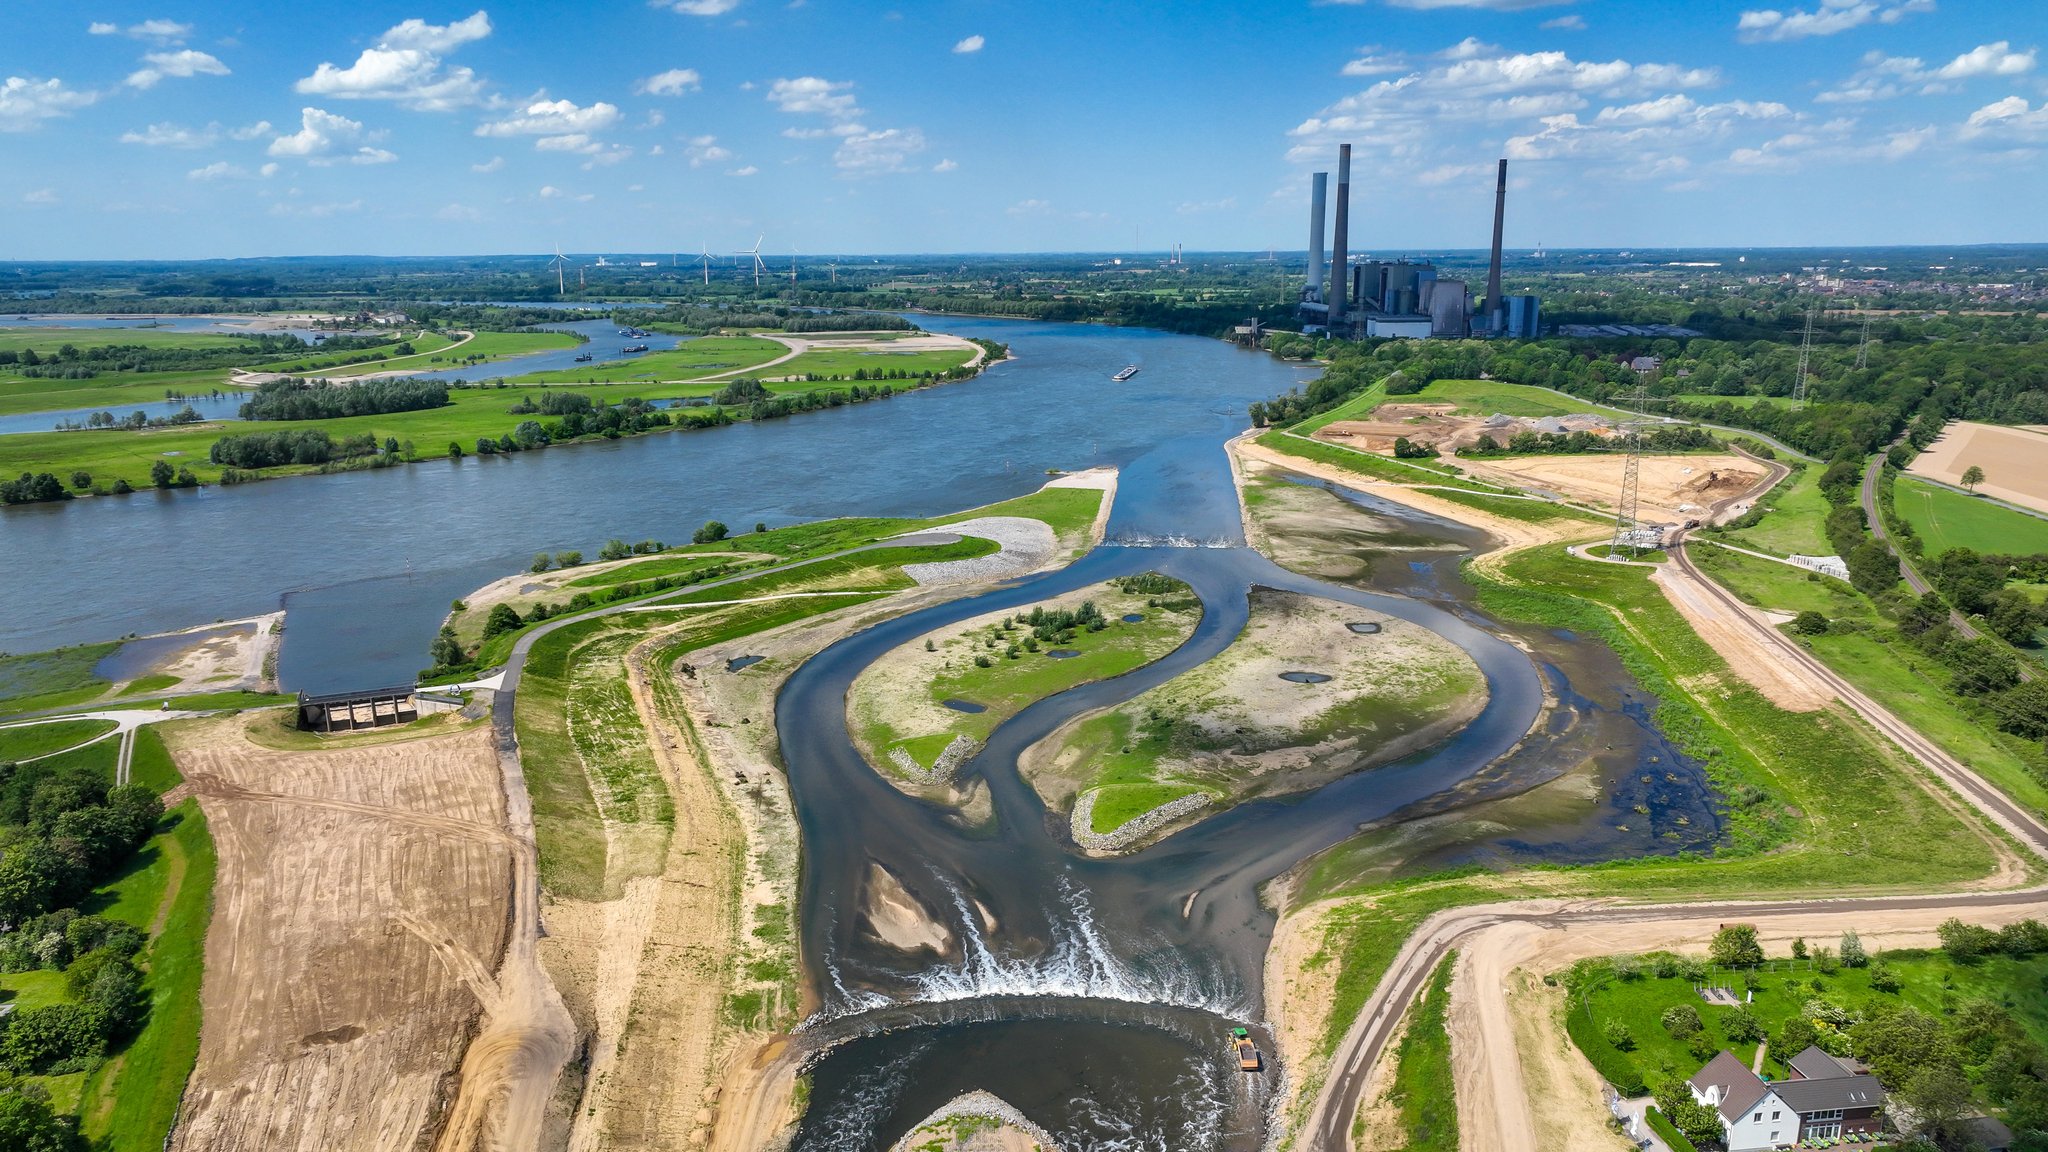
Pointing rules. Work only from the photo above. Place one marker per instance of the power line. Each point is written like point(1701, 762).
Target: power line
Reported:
point(1805, 357)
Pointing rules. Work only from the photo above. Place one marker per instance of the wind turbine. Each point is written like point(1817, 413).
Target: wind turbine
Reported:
point(707, 264)
point(755, 252)
point(561, 263)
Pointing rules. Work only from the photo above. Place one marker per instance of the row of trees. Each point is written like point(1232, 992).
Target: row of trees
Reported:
point(322, 400)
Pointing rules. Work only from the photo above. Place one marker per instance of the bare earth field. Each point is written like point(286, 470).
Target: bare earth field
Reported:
point(2010, 457)
point(360, 909)
point(1672, 488)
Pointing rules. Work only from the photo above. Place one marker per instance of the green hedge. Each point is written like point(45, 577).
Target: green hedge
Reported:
point(1613, 1065)
point(1671, 1136)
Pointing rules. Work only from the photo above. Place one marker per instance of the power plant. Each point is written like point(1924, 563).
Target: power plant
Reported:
point(1400, 298)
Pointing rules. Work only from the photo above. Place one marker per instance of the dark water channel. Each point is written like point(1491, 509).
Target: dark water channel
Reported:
point(1096, 994)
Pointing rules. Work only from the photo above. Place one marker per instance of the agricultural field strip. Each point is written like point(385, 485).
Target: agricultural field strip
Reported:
point(1452, 483)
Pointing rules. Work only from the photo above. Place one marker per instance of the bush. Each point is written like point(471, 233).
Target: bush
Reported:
point(1964, 943)
point(503, 618)
point(1882, 978)
point(1617, 1034)
point(1682, 1021)
point(1853, 955)
point(711, 533)
point(1741, 1027)
point(54, 1040)
point(1672, 1137)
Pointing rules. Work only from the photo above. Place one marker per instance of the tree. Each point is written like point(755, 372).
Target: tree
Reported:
point(1940, 1101)
point(122, 487)
point(1799, 943)
point(1899, 1040)
point(1810, 623)
point(81, 479)
point(540, 563)
point(1853, 955)
point(1964, 943)
point(615, 550)
point(28, 1124)
point(63, 1037)
point(760, 526)
point(710, 533)
point(568, 559)
point(1795, 1036)
point(503, 618)
point(160, 473)
point(455, 451)
point(1406, 449)
point(446, 650)
point(185, 478)
point(1972, 476)
point(1741, 1027)
point(1618, 1035)
point(1735, 946)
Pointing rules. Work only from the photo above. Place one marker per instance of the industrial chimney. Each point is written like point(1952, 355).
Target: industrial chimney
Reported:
point(1493, 319)
point(1340, 256)
point(1312, 291)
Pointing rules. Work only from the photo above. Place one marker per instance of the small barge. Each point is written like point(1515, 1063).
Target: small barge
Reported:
point(1129, 370)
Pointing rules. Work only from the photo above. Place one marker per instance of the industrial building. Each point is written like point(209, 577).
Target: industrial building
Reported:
point(1400, 298)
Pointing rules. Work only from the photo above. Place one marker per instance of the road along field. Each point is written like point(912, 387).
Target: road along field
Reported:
point(359, 917)
point(2010, 458)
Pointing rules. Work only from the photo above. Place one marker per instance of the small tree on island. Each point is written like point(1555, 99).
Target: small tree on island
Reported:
point(1973, 476)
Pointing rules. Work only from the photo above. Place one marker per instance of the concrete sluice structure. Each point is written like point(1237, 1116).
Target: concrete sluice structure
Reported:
point(349, 711)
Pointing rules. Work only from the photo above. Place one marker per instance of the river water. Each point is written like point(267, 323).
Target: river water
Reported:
point(367, 562)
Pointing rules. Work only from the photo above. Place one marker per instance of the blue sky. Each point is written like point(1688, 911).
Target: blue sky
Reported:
point(174, 129)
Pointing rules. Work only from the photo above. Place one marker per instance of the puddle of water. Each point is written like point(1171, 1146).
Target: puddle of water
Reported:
point(1364, 629)
point(967, 706)
point(739, 662)
point(1304, 677)
point(1133, 617)
point(1063, 653)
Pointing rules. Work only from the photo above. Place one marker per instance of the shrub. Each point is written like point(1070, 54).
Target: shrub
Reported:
point(1741, 1027)
point(1736, 947)
point(1810, 623)
point(1964, 943)
point(503, 618)
point(1617, 1034)
point(1682, 1020)
point(711, 533)
point(1853, 955)
point(54, 1040)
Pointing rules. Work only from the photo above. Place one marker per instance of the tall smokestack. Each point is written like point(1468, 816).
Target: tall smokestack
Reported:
point(1500, 208)
point(1313, 289)
point(1340, 255)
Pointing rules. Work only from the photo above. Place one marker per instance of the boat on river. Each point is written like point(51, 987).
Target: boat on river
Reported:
point(583, 359)
point(1129, 370)
point(634, 348)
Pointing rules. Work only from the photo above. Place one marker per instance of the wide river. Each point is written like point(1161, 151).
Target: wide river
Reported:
point(367, 562)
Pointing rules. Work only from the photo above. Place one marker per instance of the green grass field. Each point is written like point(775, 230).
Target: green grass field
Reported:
point(132, 1100)
point(30, 741)
point(705, 356)
point(845, 362)
point(1780, 587)
point(1794, 520)
point(1423, 1083)
point(376, 359)
point(1487, 397)
point(1944, 518)
point(470, 413)
point(1929, 981)
point(28, 675)
point(1356, 408)
point(46, 340)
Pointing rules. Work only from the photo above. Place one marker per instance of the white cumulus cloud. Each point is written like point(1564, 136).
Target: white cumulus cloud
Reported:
point(182, 63)
point(704, 7)
point(163, 31)
point(674, 82)
point(553, 118)
point(325, 139)
point(407, 66)
point(1830, 18)
point(26, 103)
point(971, 44)
point(812, 95)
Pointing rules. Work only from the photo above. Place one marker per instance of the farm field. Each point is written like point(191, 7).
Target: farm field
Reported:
point(1488, 397)
point(2010, 458)
point(1944, 518)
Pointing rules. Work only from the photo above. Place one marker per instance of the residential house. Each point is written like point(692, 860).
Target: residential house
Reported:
point(1822, 1098)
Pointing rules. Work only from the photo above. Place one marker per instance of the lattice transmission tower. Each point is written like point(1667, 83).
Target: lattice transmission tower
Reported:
point(1863, 347)
point(1627, 529)
point(1805, 357)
